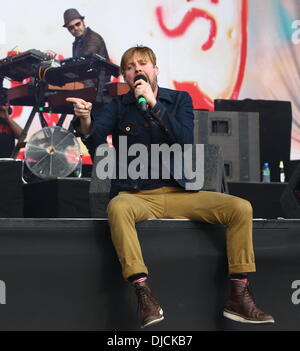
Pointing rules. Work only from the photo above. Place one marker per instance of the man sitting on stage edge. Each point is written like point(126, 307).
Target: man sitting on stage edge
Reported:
point(9, 131)
point(167, 118)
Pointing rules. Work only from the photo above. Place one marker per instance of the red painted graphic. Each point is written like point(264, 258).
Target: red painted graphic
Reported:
point(200, 99)
point(186, 22)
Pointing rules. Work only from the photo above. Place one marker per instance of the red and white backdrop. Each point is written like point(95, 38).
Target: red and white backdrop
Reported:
point(229, 49)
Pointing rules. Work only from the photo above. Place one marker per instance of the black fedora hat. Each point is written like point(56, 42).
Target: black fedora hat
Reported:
point(70, 15)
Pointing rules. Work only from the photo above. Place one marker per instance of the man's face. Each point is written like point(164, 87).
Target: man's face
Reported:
point(76, 27)
point(140, 65)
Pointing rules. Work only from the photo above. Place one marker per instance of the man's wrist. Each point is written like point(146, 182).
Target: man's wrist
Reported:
point(152, 103)
point(156, 109)
point(85, 118)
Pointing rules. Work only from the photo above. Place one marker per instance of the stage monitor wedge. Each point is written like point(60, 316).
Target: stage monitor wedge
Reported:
point(214, 180)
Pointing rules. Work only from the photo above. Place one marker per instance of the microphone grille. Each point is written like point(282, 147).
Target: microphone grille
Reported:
point(140, 76)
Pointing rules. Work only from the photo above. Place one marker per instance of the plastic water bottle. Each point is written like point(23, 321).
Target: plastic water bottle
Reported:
point(266, 174)
point(78, 170)
point(281, 172)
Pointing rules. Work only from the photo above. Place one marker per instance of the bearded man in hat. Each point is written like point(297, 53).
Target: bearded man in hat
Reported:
point(86, 41)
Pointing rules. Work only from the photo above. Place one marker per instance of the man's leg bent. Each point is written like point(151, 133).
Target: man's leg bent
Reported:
point(236, 213)
point(124, 211)
point(217, 208)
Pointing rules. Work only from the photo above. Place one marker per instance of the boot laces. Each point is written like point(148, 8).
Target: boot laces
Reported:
point(247, 292)
point(142, 295)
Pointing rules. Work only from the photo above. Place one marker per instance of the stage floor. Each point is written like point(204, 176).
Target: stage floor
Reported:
point(62, 274)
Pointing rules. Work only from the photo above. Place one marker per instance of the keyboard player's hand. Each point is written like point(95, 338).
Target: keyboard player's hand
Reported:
point(82, 108)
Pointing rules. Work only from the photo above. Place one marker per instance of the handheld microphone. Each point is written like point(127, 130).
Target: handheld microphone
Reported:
point(142, 102)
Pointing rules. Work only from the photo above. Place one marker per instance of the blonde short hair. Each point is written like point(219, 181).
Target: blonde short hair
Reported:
point(144, 51)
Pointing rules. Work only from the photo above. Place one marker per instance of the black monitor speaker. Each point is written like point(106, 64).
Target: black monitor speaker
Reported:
point(214, 179)
point(237, 133)
point(275, 122)
point(290, 198)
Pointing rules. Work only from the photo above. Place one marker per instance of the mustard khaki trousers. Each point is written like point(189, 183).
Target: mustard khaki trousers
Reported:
point(128, 208)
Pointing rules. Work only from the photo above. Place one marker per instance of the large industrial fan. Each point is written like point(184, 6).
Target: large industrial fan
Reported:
point(52, 152)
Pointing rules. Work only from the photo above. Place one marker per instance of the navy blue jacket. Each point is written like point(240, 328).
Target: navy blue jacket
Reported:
point(170, 121)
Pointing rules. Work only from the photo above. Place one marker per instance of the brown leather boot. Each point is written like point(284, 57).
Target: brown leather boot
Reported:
point(241, 306)
point(150, 311)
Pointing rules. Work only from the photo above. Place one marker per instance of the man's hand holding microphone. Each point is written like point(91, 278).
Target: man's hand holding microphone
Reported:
point(143, 92)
